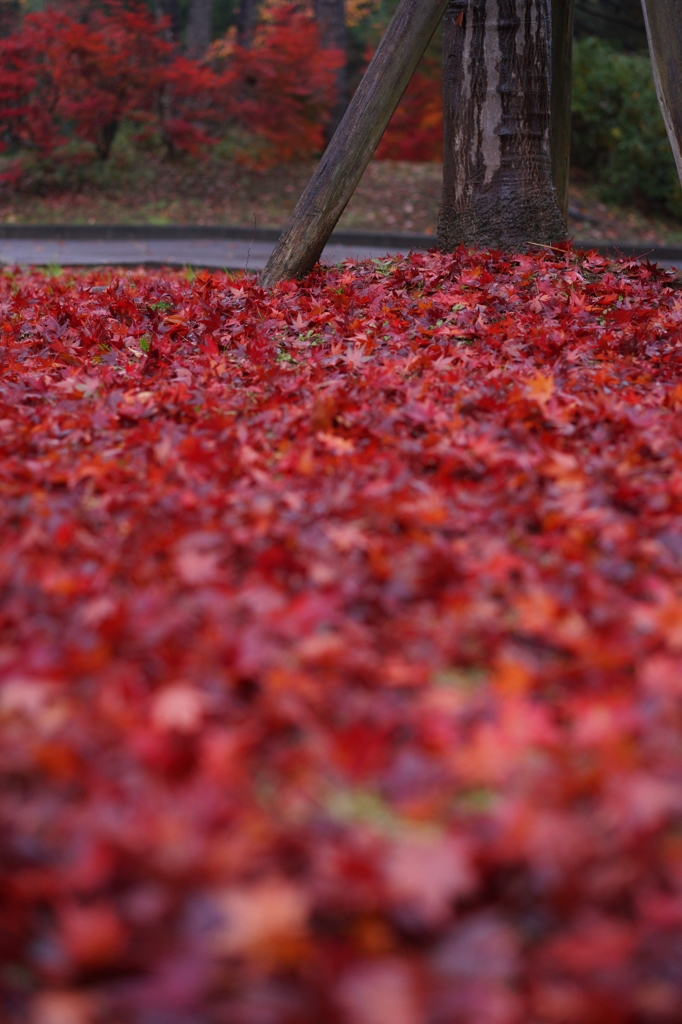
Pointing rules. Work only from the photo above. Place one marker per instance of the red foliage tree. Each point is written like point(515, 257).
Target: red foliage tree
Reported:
point(416, 129)
point(29, 95)
point(108, 68)
point(80, 73)
point(281, 86)
point(65, 75)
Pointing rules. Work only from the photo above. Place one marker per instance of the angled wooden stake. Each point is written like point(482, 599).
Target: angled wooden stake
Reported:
point(352, 147)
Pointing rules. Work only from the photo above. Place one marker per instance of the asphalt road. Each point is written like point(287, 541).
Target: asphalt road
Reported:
point(220, 253)
point(27, 247)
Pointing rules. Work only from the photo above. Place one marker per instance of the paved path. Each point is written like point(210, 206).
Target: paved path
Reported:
point(222, 253)
point(227, 254)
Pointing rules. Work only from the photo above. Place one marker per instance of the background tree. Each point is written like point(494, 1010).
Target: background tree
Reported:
point(331, 17)
point(170, 9)
point(247, 16)
point(199, 25)
point(10, 16)
point(497, 174)
point(563, 16)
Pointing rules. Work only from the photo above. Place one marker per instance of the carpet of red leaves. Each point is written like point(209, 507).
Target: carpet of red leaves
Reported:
point(341, 645)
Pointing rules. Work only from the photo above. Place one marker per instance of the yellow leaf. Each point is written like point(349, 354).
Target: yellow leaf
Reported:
point(540, 388)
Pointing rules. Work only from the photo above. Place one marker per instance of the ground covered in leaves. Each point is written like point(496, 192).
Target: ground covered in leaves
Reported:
point(341, 645)
point(392, 196)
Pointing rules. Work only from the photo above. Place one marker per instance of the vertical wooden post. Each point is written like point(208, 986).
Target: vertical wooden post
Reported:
point(663, 20)
point(352, 147)
point(563, 16)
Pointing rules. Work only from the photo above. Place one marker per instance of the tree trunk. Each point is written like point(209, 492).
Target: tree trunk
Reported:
point(10, 17)
point(345, 159)
point(199, 24)
point(331, 17)
point(563, 16)
point(664, 30)
point(105, 139)
point(171, 10)
point(497, 172)
point(247, 16)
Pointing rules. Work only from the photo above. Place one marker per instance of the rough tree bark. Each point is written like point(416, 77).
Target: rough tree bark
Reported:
point(497, 172)
point(247, 16)
point(563, 17)
point(663, 20)
point(331, 18)
point(345, 159)
point(199, 24)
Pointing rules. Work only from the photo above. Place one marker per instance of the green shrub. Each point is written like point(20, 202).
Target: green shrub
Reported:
point(619, 137)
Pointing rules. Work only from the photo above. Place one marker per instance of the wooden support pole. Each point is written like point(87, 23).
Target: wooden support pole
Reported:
point(352, 147)
point(563, 15)
point(664, 31)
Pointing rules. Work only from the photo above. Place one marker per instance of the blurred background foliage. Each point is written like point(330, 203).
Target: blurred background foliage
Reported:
point(620, 22)
point(619, 141)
